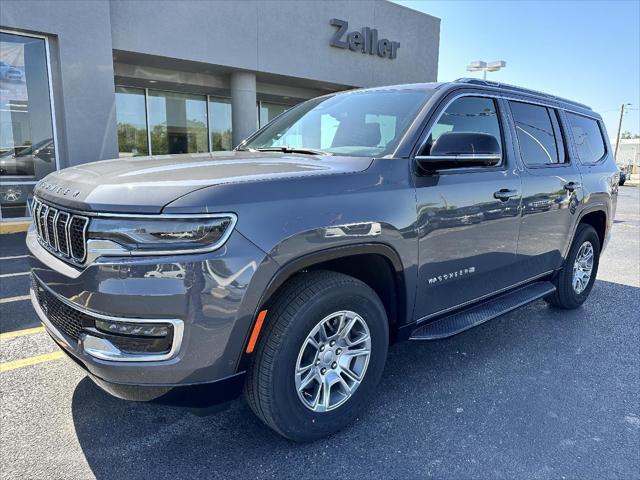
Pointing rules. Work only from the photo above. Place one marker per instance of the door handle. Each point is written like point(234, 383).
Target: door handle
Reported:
point(572, 186)
point(505, 194)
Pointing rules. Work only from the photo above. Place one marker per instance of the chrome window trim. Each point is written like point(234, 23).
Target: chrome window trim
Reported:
point(177, 325)
point(465, 156)
point(497, 95)
point(501, 125)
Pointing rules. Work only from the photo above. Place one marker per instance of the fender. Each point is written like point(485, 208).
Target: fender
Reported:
point(308, 260)
point(594, 207)
point(320, 256)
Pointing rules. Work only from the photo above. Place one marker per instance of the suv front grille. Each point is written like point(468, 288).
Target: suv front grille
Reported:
point(65, 318)
point(61, 232)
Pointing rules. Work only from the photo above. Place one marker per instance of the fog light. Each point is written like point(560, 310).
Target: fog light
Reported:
point(132, 341)
point(133, 329)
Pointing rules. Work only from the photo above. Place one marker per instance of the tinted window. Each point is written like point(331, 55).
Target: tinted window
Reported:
point(467, 114)
point(587, 137)
point(538, 133)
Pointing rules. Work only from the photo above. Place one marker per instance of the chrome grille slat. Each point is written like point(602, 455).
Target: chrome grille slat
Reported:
point(50, 221)
point(63, 235)
point(43, 223)
point(61, 232)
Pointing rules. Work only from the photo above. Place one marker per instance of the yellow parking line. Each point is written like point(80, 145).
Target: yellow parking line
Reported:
point(14, 299)
point(25, 362)
point(20, 333)
point(18, 274)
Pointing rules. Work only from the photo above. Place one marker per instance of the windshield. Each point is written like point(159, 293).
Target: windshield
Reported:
point(366, 123)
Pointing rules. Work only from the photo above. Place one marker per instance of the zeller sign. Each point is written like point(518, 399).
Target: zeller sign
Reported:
point(365, 41)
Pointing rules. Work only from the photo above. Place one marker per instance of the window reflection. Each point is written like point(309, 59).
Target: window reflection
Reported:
point(178, 123)
point(27, 150)
point(132, 122)
point(220, 123)
point(269, 111)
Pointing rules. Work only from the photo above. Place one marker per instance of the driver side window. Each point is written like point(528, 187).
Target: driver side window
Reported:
point(468, 115)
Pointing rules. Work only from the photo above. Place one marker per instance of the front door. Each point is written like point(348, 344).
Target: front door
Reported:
point(468, 218)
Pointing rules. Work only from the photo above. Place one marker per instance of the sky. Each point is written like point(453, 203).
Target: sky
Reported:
point(587, 51)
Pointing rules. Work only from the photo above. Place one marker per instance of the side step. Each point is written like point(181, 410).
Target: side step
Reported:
point(478, 314)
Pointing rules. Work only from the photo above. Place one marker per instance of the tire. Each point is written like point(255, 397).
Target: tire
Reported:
point(566, 296)
point(302, 304)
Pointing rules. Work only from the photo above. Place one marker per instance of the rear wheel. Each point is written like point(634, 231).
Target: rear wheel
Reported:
point(575, 280)
point(320, 357)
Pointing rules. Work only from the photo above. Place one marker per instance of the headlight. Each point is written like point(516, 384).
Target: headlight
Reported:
point(163, 235)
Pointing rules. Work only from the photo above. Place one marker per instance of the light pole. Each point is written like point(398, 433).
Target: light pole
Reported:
point(485, 67)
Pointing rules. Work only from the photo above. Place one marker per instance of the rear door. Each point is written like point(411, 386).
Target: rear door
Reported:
point(551, 188)
point(468, 218)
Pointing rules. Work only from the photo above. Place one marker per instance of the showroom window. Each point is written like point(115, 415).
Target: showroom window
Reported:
point(177, 122)
point(220, 123)
point(27, 139)
point(131, 114)
point(159, 122)
point(268, 111)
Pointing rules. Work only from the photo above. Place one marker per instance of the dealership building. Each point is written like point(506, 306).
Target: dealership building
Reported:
point(89, 80)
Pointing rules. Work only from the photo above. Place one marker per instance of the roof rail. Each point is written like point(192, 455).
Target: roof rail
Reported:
point(514, 88)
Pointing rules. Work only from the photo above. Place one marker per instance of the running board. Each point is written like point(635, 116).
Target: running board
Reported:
point(478, 314)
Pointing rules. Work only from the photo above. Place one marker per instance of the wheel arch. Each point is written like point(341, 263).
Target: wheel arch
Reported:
point(598, 219)
point(358, 261)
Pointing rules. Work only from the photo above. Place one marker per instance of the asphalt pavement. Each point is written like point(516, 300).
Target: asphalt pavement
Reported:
point(538, 394)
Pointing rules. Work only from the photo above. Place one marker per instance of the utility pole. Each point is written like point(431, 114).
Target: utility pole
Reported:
point(615, 153)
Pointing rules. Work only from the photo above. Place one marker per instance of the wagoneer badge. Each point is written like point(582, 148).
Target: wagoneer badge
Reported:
point(59, 189)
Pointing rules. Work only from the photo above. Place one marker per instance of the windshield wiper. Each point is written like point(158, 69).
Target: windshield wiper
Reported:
point(285, 149)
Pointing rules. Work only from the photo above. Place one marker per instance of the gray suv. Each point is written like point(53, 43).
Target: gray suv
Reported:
point(287, 267)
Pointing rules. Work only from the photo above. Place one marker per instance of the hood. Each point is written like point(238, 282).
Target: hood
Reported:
point(147, 184)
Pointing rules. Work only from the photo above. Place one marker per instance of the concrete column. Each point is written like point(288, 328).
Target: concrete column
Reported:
point(244, 116)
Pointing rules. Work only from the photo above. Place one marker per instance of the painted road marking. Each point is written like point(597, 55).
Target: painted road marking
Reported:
point(15, 299)
point(18, 274)
point(25, 362)
point(20, 333)
point(13, 257)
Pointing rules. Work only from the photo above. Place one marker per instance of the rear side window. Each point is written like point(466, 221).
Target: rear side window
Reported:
point(539, 134)
point(587, 137)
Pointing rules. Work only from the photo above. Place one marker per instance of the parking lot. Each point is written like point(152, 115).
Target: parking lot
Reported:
point(538, 393)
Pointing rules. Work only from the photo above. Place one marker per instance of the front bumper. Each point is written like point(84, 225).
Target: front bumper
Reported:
point(213, 296)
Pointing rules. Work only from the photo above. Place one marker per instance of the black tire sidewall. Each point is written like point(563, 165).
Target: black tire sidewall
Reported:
point(294, 419)
point(586, 233)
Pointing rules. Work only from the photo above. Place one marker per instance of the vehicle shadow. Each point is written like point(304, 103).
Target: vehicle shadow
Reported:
point(524, 393)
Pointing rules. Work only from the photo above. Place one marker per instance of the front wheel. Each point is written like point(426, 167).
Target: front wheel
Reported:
point(320, 357)
point(576, 278)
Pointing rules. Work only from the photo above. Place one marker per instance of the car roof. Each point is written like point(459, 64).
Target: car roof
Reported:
point(494, 87)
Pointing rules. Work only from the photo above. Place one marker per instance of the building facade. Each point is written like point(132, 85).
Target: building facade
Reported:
point(628, 156)
point(88, 80)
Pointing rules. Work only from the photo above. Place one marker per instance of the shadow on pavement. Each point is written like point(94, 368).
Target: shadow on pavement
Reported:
point(536, 393)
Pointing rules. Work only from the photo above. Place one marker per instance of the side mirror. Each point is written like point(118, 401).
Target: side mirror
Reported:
point(461, 149)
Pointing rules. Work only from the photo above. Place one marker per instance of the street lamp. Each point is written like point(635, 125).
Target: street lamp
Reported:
point(485, 67)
